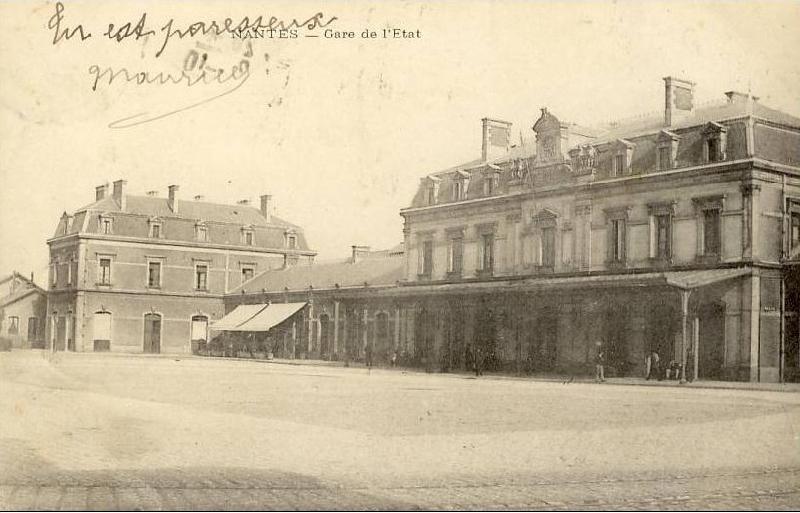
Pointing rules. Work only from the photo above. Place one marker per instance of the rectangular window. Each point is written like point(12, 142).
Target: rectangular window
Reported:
point(105, 271)
point(427, 258)
point(292, 241)
point(33, 328)
point(248, 238)
point(458, 186)
point(795, 229)
point(154, 274)
point(711, 232)
point(619, 165)
point(155, 231)
point(13, 325)
point(487, 252)
point(617, 240)
point(105, 225)
point(664, 158)
point(247, 273)
point(455, 255)
point(663, 236)
point(431, 196)
point(202, 234)
point(488, 186)
point(69, 272)
point(548, 247)
point(54, 274)
point(712, 146)
point(201, 277)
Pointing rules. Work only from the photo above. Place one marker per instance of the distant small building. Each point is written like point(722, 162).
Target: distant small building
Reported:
point(23, 309)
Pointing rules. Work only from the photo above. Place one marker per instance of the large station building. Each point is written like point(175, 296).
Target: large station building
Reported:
point(677, 233)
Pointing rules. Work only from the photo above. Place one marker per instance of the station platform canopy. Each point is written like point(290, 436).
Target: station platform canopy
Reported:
point(258, 317)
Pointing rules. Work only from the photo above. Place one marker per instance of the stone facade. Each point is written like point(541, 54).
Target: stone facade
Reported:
point(672, 234)
point(148, 274)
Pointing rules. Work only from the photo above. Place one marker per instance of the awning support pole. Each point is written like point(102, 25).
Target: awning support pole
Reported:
point(684, 331)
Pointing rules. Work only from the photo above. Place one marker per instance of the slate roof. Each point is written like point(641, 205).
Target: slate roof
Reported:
point(649, 123)
point(198, 210)
point(374, 270)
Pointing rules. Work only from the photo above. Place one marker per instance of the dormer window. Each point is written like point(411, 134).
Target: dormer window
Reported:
point(106, 225)
point(714, 142)
point(155, 230)
point(291, 239)
point(666, 150)
point(431, 184)
point(490, 181)
point(201, 232)
point(248, 236)
point(621, 154)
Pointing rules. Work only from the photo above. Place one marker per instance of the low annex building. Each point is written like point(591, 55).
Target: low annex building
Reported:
point(23, 307)
point(342, 313)
point(143, 273)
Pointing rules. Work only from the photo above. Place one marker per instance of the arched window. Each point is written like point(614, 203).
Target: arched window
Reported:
point(101, 331)
point(199, 333)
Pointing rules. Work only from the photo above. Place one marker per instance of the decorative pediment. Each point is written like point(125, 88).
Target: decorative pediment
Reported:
point(622, 144)
point(667, 136)
point(545, 215)
point(714, 128)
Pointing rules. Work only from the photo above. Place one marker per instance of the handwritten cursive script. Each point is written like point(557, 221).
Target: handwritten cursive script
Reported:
point(171, 30)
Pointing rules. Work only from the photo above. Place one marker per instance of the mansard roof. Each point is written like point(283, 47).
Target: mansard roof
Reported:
point(155, 207)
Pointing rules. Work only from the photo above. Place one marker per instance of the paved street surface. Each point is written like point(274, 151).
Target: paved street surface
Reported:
point(86, 431)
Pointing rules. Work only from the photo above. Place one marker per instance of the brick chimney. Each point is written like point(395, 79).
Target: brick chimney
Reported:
point(678, 99)
point(359, 252)
point(746, 99)
point(101, 191)
point(496, 138)
point(173, 198)
point(119, 193)
point(266, 203)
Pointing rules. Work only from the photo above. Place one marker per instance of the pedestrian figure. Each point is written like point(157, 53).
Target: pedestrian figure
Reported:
point(654, 366)
point(599, 362)
point(368, 356)
point(478, 356)
point(394, 358)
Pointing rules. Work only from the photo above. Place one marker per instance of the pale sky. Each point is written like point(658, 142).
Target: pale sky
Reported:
point(341, 145)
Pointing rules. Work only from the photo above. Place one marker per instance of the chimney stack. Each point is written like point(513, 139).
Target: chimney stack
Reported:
point(496, 138)
point(100, 191)
point(746, 99)
point(243, 202)
point(152, 194)
point(266, 203)
point(119, 193)
point(173, 198)
point(359, 252)
point(678, 99)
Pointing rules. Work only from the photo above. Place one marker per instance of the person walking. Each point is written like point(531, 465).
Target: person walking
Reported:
point(654, 366)
point(599, 363)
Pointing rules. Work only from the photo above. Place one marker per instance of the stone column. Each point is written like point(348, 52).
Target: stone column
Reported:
point(396, 328)
point(752, 311)
point(336, 328)
point(696, 346)
point(684, 331)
